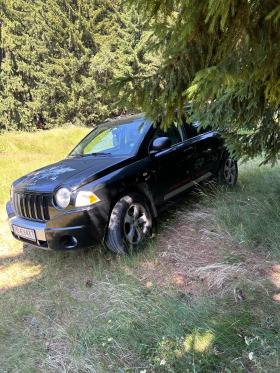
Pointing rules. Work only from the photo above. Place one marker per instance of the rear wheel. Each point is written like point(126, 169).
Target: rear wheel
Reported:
point(130, 223)
point(228, 171)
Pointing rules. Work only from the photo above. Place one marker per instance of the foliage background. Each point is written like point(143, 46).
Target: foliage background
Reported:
point(56, 58)
point(223, 57)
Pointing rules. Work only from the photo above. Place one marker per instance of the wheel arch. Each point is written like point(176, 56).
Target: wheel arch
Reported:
point(223, 154)
point(220, 174)
point(142, 189)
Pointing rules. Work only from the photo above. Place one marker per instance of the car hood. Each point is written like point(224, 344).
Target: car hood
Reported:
point(72, 173)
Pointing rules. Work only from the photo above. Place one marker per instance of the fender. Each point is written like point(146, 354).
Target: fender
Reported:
point(144, 189)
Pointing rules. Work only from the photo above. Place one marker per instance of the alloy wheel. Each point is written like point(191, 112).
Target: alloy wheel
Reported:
point(230, 171)
point(135, 223)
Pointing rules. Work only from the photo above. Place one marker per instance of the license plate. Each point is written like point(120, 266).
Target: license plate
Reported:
point(24, 232)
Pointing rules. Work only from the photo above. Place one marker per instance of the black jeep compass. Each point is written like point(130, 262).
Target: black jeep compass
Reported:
point(115, 181)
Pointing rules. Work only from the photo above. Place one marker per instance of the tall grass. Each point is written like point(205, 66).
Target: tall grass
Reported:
point(73, 318)
point(251, 210)
point(23, 152)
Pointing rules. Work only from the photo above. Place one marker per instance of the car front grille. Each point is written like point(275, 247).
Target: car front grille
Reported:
point(33, 206)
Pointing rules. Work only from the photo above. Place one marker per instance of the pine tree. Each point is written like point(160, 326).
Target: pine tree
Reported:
point(58, 56)
point(16, 70)
point(223, 57)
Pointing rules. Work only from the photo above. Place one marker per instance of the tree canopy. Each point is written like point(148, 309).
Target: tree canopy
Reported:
point(224, 58)
point(57, 56)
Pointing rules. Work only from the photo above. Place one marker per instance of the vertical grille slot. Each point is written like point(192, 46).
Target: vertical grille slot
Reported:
point(36, 207)
point(39, 207)
point(21, 208)
point(16, 203)
point(46, 207)
point(32, 206)
point(26, 205)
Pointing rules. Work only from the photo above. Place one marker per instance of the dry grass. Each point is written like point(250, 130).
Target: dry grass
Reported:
point(193, 254)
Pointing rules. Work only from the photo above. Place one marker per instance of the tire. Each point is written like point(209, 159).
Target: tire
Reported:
point(228, 171)
point(130, 223)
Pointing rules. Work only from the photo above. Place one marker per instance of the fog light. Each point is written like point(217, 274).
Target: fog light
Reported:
point(69, 242)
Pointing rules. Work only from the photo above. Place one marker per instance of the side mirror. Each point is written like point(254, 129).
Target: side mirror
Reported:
point(160, 144)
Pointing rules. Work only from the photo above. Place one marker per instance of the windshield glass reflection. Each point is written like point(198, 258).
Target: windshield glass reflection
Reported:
point(121, 137)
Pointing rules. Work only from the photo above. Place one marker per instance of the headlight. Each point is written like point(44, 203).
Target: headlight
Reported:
point(85, 198)
point(62, 198)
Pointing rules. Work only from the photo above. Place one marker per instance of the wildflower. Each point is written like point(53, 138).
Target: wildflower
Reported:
point(110, 321)
point(109, 339)
point(143, 371)
point(162, 362)
point(103, 344)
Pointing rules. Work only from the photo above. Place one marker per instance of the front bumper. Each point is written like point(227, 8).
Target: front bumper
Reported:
point(71, 230)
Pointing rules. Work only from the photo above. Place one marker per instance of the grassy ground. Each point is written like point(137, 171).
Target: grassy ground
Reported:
point(203, 296)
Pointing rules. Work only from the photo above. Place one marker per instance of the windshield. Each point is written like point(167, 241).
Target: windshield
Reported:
point(121, 137)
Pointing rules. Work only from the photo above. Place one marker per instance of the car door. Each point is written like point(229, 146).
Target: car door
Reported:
point(174, 167)
point(208, 148)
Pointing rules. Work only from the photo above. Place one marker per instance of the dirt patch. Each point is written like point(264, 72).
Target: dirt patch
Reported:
point(197, 256)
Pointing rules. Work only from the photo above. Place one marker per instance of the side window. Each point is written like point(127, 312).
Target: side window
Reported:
point(192, 129)
point(175, 132)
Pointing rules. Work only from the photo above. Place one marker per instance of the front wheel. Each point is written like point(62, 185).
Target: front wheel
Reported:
point(228, 171)
point(130, 223)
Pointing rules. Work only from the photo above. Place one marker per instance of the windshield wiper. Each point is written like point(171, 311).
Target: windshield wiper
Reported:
point(88, 154)
point(98, 153)
point(75, 155)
